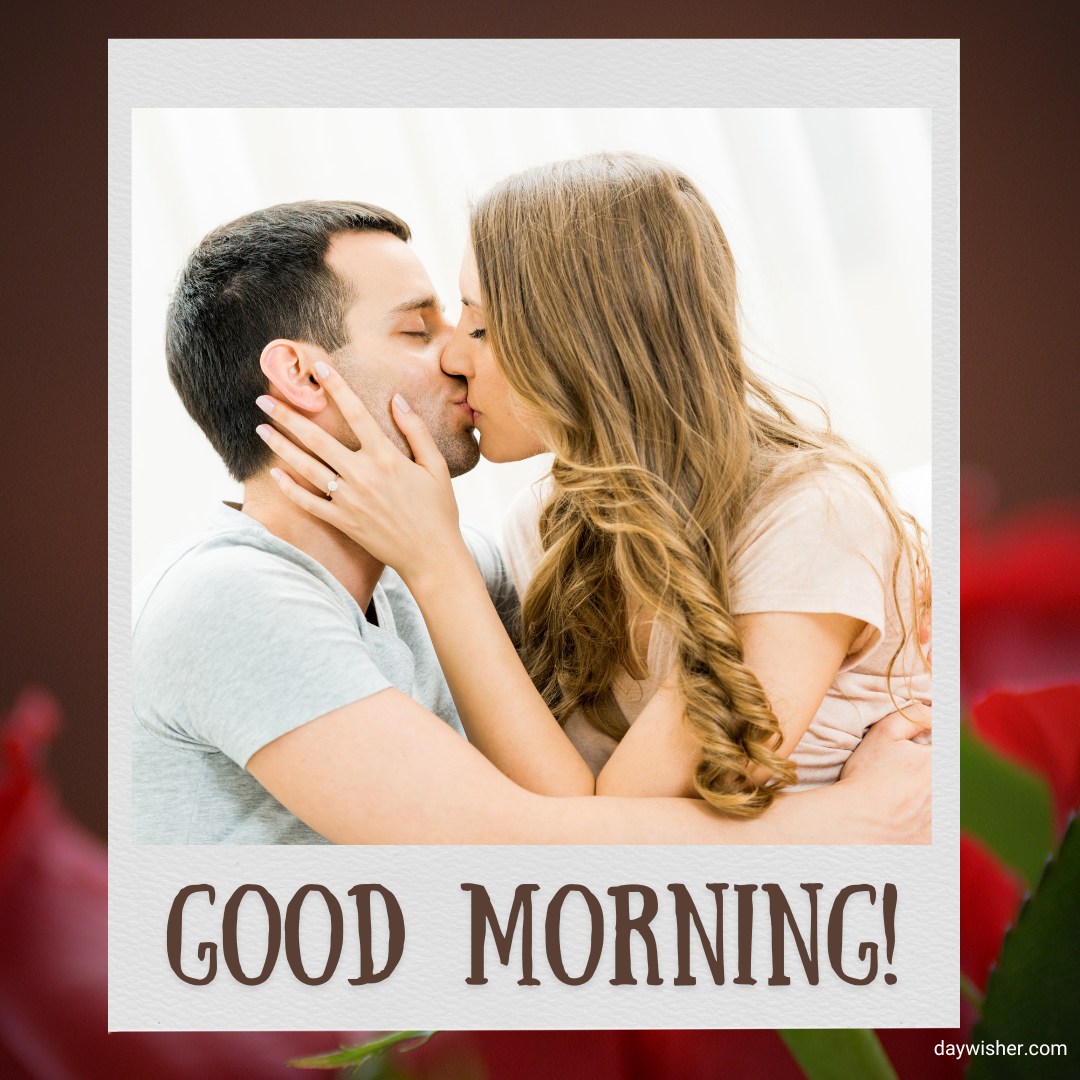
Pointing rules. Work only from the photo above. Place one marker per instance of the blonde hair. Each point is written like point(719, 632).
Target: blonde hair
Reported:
point(610, 298)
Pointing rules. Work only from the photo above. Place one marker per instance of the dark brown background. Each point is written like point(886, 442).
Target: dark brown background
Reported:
point(1020, 176)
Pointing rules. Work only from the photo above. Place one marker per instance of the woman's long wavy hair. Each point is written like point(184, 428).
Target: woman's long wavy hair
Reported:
point(611, 306)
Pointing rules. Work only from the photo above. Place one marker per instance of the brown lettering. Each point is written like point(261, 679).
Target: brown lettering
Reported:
point(395, 945)
point(482, 916)
point(553, 939)
point(229, 946)
point(174, 932)
point(867, 949)
point(687, 912)
point(292, 934)
point(779, 913)
point(746, 934)
point(625, 926)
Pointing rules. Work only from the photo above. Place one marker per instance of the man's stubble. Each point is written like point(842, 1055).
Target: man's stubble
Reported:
point(456, 443)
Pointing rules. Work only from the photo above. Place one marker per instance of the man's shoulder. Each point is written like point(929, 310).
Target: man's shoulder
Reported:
point(229, 565)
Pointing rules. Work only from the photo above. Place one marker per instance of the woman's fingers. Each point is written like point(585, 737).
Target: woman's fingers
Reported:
point(425, 452)
point(313, 504)
point(352, 408)
point(310, 468)
point(319, 442)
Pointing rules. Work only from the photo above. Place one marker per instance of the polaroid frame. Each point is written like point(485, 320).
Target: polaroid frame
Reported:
point(433, 985)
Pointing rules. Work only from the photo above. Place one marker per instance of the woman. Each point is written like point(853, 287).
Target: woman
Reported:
point(716, 598)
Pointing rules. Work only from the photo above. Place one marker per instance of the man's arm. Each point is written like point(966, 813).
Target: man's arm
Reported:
point(384, 770)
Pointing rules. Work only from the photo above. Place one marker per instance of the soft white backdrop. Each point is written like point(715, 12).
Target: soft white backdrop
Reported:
point(827, 211)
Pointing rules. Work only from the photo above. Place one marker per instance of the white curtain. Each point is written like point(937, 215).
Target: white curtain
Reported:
point(827, 211)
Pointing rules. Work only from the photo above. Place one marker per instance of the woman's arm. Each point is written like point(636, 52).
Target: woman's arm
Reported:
point(795, 657)
point(403, 513)
point(504, 716)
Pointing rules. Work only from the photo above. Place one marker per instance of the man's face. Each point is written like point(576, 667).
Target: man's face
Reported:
point(397, 332)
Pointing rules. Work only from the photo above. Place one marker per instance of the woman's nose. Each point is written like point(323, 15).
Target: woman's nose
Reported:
point(455, 355)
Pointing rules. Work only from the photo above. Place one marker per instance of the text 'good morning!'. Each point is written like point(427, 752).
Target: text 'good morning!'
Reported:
point(630, 935)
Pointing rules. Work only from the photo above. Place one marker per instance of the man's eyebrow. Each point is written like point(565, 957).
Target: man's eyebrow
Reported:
point(420, 303)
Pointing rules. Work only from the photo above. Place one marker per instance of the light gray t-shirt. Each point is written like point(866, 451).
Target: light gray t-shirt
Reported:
point(239, 638)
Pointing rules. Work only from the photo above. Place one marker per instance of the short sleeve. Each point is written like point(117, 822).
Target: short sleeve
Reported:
point(825, 547)
point(496, 574)
point(235, 647)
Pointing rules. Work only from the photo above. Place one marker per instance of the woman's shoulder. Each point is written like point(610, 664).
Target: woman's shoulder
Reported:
point(820, 542)
point(830, 502)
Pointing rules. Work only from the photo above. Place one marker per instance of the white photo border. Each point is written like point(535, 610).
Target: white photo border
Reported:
point(428, 990)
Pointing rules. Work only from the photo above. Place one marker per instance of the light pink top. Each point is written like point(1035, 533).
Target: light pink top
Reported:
point(823, 546)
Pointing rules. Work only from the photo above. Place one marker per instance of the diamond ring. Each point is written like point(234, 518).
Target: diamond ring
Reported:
point(332, 486)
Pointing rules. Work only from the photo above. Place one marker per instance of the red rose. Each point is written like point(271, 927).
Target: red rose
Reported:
point(53, 938)
point(1020, 603)
point(1041, 730)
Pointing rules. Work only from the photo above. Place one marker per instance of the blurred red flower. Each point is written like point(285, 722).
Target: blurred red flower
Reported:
point(1041, 730)
point(1020, 677)
point(53, 940)
point(605, 1055)
point(1020, 602)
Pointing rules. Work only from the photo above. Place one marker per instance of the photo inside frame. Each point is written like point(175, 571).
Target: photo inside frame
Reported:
point(807, 231)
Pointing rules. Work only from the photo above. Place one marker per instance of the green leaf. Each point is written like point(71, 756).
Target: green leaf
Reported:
point(839, 1054)
point(1033, 995)
point(357, 1055)
point(1006, 806)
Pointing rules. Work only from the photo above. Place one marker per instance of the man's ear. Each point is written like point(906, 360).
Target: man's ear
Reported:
point(290, 368)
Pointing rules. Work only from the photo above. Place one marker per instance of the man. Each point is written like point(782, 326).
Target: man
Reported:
point(285, 688)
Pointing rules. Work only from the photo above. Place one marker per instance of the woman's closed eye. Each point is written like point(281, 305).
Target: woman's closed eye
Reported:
point(478, 334)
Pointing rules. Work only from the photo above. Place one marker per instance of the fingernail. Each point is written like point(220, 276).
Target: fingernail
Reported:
point(266, 403)
point(276, 474)
point(263, 431)
point(402, 404)
point(322, 368)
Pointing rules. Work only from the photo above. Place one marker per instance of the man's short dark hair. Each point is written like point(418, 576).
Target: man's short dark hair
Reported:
point(261, 277)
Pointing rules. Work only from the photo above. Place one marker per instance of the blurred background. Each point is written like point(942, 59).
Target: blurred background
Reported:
point(827, 212)
point(1021, 445)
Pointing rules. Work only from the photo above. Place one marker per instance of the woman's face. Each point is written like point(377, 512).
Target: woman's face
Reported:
point(504, 433)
